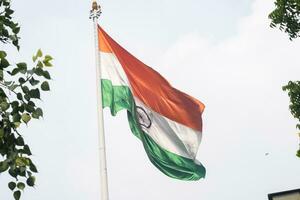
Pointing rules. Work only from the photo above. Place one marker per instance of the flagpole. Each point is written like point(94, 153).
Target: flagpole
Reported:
point(95, 14)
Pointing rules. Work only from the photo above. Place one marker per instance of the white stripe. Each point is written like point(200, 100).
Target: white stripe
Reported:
point(111, 69)
point(170, 135)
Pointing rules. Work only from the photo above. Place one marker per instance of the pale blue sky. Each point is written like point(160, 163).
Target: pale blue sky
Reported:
point(221, 52)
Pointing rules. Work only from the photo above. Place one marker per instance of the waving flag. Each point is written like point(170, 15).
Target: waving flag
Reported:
point(166, 120)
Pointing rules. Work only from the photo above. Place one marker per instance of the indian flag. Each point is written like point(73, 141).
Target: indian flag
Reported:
point(166, 120)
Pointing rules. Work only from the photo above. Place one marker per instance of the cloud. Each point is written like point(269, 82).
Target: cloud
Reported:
point(240, 79)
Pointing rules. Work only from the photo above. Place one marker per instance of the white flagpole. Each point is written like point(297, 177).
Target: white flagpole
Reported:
point(95, 14)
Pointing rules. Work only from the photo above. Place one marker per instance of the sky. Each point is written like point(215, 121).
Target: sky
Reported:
point(222, 52)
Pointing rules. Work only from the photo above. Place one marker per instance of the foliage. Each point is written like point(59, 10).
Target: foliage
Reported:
point(287, 17)
point(8, 28)
point(293, 89)
point(20, 91)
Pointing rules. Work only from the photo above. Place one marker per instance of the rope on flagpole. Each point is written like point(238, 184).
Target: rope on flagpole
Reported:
point(94, 15)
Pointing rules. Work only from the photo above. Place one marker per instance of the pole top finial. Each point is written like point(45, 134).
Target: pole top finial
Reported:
point(96, 10)
point(94, 5)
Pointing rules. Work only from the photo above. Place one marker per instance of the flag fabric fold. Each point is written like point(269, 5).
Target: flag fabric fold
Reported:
point(166, 120)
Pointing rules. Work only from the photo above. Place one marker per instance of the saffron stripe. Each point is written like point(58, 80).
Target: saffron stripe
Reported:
point(153, 90)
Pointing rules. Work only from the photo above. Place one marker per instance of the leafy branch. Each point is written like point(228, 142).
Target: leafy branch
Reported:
point(20, 92)
point(8, 28)
point(286, 16)
point(293, 89)
point(18, 104)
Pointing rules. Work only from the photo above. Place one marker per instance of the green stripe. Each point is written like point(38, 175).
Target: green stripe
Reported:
point(173, 165)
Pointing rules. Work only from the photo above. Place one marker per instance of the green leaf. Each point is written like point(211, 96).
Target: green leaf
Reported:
point(20, 141)
point(21, 108)
point(39, 53)
point(29, 108)
point(20, 96)
point(40, 64)
point(27, 97)
point(15, 71)
point(22, 162)
point(22, 66)
point(6, 3)
point(37, 113)
point(22, 171)
point(13, 172)
point(16, 30)
point(30, 181)
point(13, 37)
point(39, 71)
point(2, 93)
point(34, 58)
point(21, 186)
point(4, 63)
point(47, 60)
point(5, 33)
point(33, 168)
point(33, 82)
point(1, 133)
point(17, 195)
point(1, 75)
point(8, 11)
point(26, 150)
point(21, 80)
point(2, 54)
point(16, 43)
point(34, 93)
point(46, 75)
point(14, 104)
point(29, 173)
point(19, 162)
point(4, 105)
point(26, 117)
point(11, 185)
point(17, 124)
point(31, 103)
point(25, 89)
point(3, 166)
point(16, 117)
point(47, 64)
point(45, 86)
